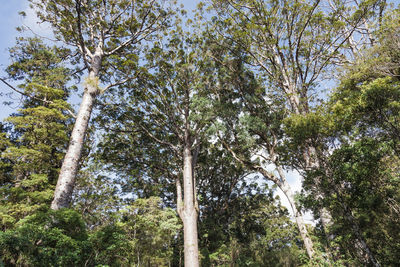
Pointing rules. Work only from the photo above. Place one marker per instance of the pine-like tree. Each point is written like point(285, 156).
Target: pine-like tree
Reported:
point(35, 145)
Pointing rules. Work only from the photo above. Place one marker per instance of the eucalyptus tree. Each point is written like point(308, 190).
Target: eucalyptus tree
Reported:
point(294, 46)
point(98, 33)
point(249, 126)
point(169, 106)
point(362, 118)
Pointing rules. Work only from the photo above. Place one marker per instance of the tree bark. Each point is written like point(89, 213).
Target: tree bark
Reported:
point(286, 189)
point(188, 212)
point(363, 251)
point(310, 155)
point(69, 168)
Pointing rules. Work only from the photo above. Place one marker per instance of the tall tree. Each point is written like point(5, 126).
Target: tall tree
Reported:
point(249, 126)
point(40, 130)
point(98, 34)
point(361, 122)
point(294, 45)
point(169, 106)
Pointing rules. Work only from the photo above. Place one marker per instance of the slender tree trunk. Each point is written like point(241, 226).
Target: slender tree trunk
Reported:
point(362, 249)
point(312, 162)
point(69, 168)
point(285, 187)
point(188, 212)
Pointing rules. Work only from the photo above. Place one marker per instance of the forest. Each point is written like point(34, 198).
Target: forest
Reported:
point(189, 124)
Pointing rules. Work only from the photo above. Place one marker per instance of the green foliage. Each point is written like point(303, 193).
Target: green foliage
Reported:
point(151, 230)
point(360, 175)
point(360, 193)
point(97, 196)
point(302, 128)
point(48, 238)
point(111, 247)
point(39, 131)
point(144, 234)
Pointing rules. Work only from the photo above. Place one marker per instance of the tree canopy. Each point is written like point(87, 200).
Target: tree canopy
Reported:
point(189, 126)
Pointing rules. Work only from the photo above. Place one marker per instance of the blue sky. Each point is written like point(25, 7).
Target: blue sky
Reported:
point(9, 20)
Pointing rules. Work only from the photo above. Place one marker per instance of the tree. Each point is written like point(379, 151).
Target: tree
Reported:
point(360, 122)
point(241, 223)
point(292, 45)
point(249, 126)
point(40, 130)
point(99, 33)
point(170, 107)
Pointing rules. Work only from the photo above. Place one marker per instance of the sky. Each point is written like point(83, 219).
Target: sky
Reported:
point(10, 19)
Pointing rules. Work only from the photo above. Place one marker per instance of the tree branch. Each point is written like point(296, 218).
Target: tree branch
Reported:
point(159, 140)
point(34, 97)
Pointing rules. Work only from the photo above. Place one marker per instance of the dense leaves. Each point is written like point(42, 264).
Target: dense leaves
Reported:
point(39, 131)
point(193, 124)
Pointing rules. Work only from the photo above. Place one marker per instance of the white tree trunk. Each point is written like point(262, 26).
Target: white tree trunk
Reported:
point(69, 168)
point(188, 212)
point(286, 189)
point(310, 156)
point(311, 160)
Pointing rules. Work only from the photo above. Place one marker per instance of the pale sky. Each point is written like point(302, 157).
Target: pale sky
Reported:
point(9, 20)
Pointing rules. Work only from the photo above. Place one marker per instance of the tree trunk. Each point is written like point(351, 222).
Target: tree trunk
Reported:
point(285, 187)
point(312, 162)
point(310, 155)
point(362, 249)
point(69, 168)
point(188, 212)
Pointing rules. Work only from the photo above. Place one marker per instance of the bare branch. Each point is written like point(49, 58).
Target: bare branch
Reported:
point(172, 146)
point(81, 43)
point(34, 97)
point(116, 83)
